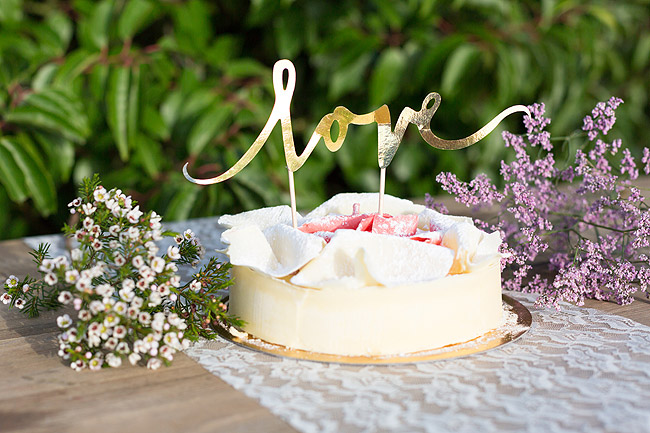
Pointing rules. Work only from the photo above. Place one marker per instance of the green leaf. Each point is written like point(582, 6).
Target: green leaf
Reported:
point(61, 25)
point(95, 27)
point(387, 78)
point(133, 112)
point(11, 11)
point(210, 124)
point(457, 66)
point(182, 203)
point(37, 179)
point(44, 76)
point(154, 124)
point(11, 177)
point(63, 105)
point(641, 55)
point(75, 64)
point(60, 154)
point(150, 155)
point(134, 16)
point(349, 78)
point(117, 101)
point(53, 111)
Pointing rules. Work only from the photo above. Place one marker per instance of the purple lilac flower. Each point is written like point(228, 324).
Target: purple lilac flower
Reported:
point(602, 118)
point(591, 226)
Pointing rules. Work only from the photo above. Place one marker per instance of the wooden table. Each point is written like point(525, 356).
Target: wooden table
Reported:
point(40, 393)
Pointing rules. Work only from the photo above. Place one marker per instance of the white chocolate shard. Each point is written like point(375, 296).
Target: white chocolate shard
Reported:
point(440, 221)
point(278, 251)
point(358, 259)
point(262, 218)
point(471, 246)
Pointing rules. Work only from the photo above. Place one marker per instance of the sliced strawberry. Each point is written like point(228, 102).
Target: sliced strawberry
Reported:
point(401, 225)
point(435, 240)
point(332, 223)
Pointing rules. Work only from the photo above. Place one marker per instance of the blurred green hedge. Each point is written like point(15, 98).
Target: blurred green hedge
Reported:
point(133, 89)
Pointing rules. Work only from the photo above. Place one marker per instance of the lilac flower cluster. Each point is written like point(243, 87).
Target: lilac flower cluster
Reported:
point(574, 231)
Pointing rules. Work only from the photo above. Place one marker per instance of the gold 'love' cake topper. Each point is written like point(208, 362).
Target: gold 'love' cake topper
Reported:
point(388, 140)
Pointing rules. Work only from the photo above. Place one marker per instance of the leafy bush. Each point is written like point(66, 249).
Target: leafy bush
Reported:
point(133, 89)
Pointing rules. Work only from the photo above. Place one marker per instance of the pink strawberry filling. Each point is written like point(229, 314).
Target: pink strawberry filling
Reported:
point(400, 225)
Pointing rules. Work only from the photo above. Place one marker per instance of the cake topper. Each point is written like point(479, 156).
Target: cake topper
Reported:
point(388, 140)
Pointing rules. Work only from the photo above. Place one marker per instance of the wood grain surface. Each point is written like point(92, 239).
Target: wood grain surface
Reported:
point(41, 393)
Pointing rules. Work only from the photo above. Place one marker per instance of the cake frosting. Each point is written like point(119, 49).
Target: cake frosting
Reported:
point(361, 291)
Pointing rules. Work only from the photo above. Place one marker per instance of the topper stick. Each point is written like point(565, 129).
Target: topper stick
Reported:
point(382, 189)
point(292, 193)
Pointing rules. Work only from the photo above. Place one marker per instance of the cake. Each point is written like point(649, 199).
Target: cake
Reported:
point(350, 282)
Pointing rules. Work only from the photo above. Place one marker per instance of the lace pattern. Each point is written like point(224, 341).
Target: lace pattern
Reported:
point(575, 370)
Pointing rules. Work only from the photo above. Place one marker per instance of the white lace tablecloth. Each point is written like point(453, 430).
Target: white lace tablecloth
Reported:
point(575, 370)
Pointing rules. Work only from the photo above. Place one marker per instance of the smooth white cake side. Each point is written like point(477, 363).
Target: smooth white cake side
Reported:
point(373, 320)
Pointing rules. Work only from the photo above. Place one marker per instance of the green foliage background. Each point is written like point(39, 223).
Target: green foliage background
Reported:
point(133, 89)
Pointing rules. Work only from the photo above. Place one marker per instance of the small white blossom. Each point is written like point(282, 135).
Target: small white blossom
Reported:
point(126, 295)
point(65, 297)
point(63, 321)
point(164, 290)
point(71, 276)
point(20, 303)
point(142, 284)
point(133, 233)
point(134, 358)
point(108, 303)
point(84, 315)
point(167, 353)
point(188, 234)
point(158, 264)
point(175, 281)
point(76, 254)
point(144, 318)
point(154, 364)
point(137, 302)
point(195, 286)
point(123, 347)
point(113, 244)
point(50, 278)
point(111, 343)
point(178, 239)
point(5, 298)
point(138, 262)
point(171, 266)
point(119, 259)
point(114, 230)
point(119, 332)
point(78, 365)
point(154, 299)
point(111, 320)
point(113, 360)
point(96, 306)
point(173, 252)
point(100, 194)
point(95, 364)
point(61, 262)
point(128, 284)
point(139, 346)
point(104, 290)
point(97, 245)
point(134, 215)
point(25, 288)
point(84, 284)
point(88, 223)
point(132, 312)
point(88, 208)
point(151, 247)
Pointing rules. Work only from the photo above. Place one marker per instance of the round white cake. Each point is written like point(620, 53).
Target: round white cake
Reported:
point(363, 291)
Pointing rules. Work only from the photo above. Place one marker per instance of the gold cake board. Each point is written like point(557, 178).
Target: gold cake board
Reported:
point(518, 321)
